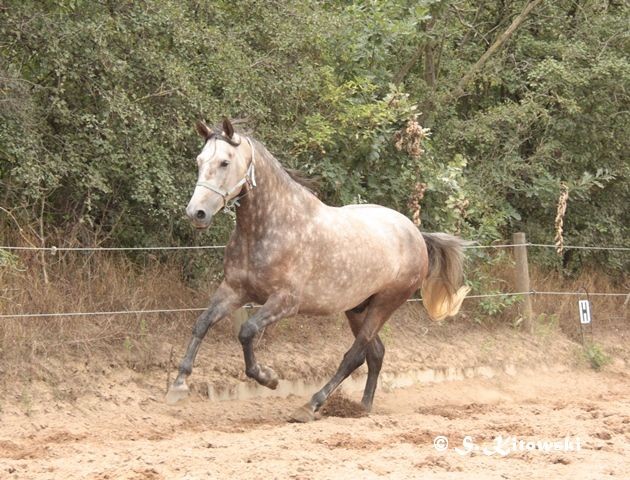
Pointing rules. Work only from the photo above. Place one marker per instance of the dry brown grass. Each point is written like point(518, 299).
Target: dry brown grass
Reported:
point(561, 310)
point(39, 348)
point(607, 312)
point(33, 348)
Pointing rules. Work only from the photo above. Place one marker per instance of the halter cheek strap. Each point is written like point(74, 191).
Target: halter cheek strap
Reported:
point(249, 179)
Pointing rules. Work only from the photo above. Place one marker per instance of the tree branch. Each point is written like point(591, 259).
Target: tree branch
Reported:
point(406, 68)
point(501, 39)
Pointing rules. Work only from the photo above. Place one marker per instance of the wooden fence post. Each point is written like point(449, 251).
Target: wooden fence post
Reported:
point(522, 279)
point(239, 317)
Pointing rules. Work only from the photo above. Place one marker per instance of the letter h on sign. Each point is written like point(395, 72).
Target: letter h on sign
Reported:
point(585, 311)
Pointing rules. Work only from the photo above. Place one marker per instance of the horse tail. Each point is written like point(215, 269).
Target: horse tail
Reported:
point(442, 290)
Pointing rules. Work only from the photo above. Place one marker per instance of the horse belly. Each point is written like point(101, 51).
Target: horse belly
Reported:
point(371, 250)
point(327, 296)
point(343, 287)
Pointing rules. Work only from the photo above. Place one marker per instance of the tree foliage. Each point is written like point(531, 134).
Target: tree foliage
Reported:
point(98, 99)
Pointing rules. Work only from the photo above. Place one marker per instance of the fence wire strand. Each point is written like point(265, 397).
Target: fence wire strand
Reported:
point(113, 249)
point(580, 247)
point(54, 249)
point(251, 306)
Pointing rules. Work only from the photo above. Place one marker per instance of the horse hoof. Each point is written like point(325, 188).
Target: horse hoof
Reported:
point(304, 414)
point(269, 378)
point(176, 393)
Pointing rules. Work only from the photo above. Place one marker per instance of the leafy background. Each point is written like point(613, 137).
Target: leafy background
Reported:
point(98, 99)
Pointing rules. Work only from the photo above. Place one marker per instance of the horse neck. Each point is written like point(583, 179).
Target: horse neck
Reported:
point(274, 201)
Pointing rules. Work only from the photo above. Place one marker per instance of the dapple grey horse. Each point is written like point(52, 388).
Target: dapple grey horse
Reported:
point(293, 254)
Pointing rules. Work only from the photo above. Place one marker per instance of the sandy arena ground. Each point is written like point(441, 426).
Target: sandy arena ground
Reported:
point(128, 432)
point(120, 428)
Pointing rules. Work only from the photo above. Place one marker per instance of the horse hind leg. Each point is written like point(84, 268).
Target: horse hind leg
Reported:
point(378, 313)
point(375, 355)
point(375, 352)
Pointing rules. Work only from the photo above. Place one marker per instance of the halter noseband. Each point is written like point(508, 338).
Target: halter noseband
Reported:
point(249, 179)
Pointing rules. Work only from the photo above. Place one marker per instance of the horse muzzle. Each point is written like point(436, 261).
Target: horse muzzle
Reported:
point(200, 218)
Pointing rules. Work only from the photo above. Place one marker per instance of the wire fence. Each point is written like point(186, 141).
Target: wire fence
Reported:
point(252, 306)
point(54, 249)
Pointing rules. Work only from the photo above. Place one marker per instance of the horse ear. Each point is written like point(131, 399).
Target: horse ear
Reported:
point(228, 129)
point(202, 129)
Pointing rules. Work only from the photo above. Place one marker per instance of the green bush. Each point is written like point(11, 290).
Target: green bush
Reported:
point(596, 356)
point(98, 99)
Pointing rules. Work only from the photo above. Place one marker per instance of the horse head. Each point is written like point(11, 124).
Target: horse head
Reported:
point(225, 166)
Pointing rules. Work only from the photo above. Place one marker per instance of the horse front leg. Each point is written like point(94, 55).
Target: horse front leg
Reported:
point(224, 301)
point(278, 306)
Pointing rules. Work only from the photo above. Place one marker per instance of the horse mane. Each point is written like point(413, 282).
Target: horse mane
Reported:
point(298, 176)
point(310, 183)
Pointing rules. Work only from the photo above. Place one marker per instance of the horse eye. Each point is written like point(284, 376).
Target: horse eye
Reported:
point(225, 163)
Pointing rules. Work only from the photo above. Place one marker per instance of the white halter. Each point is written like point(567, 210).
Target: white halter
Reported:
point(249, 179)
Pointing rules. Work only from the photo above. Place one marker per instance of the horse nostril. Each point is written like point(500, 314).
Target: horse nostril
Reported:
point(200, 214)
